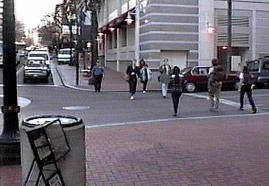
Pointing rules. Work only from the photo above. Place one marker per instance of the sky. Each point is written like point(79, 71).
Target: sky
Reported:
point(30, 12)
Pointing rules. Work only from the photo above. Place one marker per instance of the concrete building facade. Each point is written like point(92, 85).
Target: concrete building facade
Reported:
point(179, 30)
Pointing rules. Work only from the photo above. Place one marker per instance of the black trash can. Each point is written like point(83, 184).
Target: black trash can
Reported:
point(72, 166)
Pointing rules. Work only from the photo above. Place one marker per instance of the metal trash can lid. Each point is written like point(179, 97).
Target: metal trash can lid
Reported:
point(66, 121)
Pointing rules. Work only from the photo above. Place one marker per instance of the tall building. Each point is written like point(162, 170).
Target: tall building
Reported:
point(186, 32)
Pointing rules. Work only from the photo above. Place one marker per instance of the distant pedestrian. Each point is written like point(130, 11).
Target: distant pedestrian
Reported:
point(132, 74)
point(164, 78)
point(98, 73)
point(246, 87)
point(146, 76)
point(215, 77)
point(176, 83)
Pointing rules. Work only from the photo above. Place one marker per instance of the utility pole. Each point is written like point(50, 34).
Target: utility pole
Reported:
point(229, 35)
point(77, 47)
point(137, 32)
point(9, 139)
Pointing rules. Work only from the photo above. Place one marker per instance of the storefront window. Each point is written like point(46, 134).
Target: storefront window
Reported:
point(115, 39)
point(124, 36)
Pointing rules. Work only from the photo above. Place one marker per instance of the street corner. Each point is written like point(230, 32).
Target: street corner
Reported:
point(22, 101)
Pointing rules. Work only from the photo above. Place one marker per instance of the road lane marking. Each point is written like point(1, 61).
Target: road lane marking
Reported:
point(255, 95)
point(34, 85)
point(223, 101)
point(89, 126)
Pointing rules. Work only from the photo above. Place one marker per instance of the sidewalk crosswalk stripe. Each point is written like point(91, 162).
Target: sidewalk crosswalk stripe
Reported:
point(223, 101)
point(89, 126)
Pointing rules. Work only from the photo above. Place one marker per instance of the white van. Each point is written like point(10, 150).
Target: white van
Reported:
point(45, 54)
point(64, 56)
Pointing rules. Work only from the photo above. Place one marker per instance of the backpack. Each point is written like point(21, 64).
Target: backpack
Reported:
point(247, 79)
point(217, 75)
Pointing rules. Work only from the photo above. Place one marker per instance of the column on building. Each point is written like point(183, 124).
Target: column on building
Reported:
point(207, 32)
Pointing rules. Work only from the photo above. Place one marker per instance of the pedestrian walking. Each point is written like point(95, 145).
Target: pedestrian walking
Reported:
point(176, 83)
point(132, 74)
point(146, 76)
point(246, 87)
point(215, 77)
point(164, 78)
point(97, 73)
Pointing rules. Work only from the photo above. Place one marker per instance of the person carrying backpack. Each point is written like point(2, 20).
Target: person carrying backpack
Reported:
point(246, 87)
point(215, 77)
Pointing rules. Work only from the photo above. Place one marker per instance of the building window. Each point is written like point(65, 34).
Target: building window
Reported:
point(124, 36)
point(109, 39)
point(115, 39)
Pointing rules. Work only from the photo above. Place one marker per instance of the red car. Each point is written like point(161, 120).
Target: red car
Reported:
point(195, 78)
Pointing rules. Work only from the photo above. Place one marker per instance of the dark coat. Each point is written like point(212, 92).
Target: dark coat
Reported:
point(176, 83)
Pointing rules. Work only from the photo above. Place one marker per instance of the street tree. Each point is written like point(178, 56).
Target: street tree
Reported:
point(20, 31)
point(94, 7)
point(47, 31)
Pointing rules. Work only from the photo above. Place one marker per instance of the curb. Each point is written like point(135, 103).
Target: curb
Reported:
point(67, 85)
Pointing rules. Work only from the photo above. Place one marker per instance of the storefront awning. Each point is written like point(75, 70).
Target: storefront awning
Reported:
point(115, 23)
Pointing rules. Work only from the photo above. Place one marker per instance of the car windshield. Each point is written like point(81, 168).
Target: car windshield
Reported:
point(64, 52)
point(253, 65)
point(39, 55)
point(35, 63)
point(185, 70)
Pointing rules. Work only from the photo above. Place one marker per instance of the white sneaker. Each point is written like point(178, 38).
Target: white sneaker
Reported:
point(144, 92)
point(132, 98)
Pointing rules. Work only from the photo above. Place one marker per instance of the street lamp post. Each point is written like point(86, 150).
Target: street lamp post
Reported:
point(71, 41)
point(9, 139)
point(229, 36)
point(137, 32)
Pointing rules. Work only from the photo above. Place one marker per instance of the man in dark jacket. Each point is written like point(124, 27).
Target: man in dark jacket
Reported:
point(176, 84)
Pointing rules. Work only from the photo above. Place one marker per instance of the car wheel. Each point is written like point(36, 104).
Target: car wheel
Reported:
point(190, 87)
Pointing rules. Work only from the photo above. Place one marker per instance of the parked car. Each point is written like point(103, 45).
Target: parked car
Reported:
point(36, 69)
point(64, 56)
point(195, 78)
point(260, 70)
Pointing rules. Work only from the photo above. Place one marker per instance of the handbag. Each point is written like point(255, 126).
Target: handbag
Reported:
point(92, 81)
point(126, 77)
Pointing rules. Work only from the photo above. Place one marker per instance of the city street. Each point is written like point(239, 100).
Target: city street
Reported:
point(140, 143)
point(109, 64)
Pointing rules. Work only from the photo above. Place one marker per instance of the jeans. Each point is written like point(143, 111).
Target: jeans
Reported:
point(164, 89)
point(98, 83)
point(145, 83)
point(175, 98)
point(246, 89)
point(132, 86)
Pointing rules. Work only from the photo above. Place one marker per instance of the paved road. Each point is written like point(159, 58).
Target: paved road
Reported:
point(20, 77)
point(108, 108)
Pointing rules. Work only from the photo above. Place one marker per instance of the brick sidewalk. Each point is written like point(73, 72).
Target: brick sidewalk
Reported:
point(215, 152)
point(197, 153)
point(10, 175)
